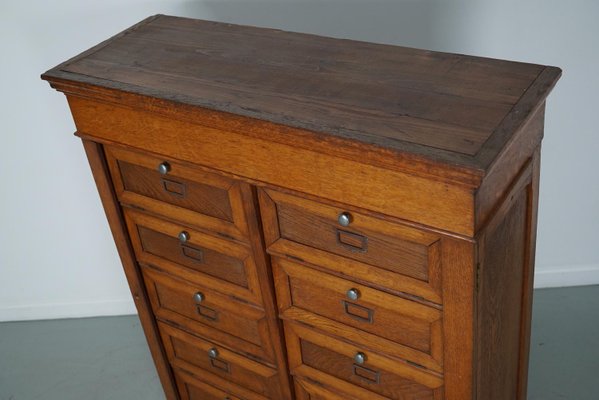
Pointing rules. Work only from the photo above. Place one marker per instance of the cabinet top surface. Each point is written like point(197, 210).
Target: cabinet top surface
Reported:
point(453, 109)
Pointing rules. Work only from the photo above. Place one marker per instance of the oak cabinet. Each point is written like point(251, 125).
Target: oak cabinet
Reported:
point(302, 217)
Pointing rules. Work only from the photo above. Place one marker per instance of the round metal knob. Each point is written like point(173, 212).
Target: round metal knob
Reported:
point(360, 358)
point(183, 236)
point(213, 352)
point(344, 219)
point(164, 168)
point(199, 297)
point(353, 294)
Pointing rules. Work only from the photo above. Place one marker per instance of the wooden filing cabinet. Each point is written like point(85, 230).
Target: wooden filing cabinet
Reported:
point(302, 217)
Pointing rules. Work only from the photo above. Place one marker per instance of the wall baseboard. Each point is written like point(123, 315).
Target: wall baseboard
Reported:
point(562, 276)
point(68, 310)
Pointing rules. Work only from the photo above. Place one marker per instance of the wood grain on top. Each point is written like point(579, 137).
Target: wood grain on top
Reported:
point(451, 108)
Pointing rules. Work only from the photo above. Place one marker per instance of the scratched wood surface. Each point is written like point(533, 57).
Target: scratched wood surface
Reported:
point(449, 107)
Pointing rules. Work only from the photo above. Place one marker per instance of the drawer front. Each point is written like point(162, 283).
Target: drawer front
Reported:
point(192, 388)
point(338, 363)
point(386, 251)
point(186, 252)
point(310, 389)
point(180, 192)
point(203, 357)
point(407, 323)
point(201, 310)
point(306, 390)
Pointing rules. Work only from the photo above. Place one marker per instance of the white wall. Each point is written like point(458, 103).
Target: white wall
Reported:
point(57, 258)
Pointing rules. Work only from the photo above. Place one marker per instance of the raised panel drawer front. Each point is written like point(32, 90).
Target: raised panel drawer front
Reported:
point(386, 253)
point(194, 255)
point(209, 314)
point(310, 389)
point(191, 387)
point(337, 363)
point(207, 359)
point(391, 324)
point(181, 192)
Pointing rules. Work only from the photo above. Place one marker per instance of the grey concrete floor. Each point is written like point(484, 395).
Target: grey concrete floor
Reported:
point(107, 358)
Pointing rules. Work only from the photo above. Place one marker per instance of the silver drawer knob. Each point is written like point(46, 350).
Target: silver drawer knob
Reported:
point(164, 168)
point(344, 219)
point(213, 352)
point(199, 297)
point(353, 294)
point(183, 236)
point(360, 358)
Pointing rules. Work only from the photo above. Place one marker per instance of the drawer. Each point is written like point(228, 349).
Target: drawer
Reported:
point(191, 387)
point(166, 187)
point(384, 252)
point(308, 389)
point(194, 255)
point(406, 328)
point(343, 365)
point(205, 358)
point(210, 314)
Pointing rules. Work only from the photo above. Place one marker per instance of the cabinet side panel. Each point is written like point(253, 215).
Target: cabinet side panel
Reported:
point(95, 155)
point(504, 295)
point(527, 298)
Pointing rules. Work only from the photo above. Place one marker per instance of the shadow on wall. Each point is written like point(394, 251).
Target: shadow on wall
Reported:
point(426, 24)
